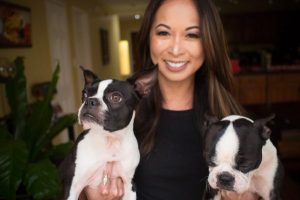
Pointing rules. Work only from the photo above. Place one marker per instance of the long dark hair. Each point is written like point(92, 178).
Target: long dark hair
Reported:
point(213, 81)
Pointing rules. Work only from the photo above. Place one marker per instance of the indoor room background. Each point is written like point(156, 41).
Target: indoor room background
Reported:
point(263, 38)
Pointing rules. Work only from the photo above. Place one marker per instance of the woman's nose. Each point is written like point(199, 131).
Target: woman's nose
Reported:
point(176, 46)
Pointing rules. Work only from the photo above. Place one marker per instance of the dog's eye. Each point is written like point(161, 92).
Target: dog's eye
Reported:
point(115, 97)
point(211, 164)
point(240, 159)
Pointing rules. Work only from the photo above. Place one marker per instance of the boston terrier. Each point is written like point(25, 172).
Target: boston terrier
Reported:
point(241, 158)
point(107, 115)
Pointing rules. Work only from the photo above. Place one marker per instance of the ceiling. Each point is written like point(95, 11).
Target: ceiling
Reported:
point(124, 8)
point(128, 8)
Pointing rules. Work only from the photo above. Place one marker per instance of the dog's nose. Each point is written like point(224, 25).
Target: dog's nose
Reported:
point(91, 102)
point(226, 179)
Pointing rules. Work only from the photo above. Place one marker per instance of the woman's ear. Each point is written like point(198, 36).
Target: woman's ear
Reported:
point(144, 81)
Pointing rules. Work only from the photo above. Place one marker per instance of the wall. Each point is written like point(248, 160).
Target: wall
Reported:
point(37, 58)
point(128, 26)
point(112, 25)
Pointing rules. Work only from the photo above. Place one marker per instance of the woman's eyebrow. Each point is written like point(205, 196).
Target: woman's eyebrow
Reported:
point(163, 25)
point(192, 27)
point(168, 27)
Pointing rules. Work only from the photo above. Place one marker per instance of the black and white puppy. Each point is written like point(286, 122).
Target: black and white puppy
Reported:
point(107, 115)
point(241, 157)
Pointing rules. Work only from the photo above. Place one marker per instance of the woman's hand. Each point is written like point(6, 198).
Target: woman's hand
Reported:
point(226, 195)
point(111, 188)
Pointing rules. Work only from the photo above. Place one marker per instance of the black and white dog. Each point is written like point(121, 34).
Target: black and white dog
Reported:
point(107, 115)
point(241, 157)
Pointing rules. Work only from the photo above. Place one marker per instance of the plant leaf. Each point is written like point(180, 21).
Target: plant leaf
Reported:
point(13, 160)
point(40, 118)
point(57, 126)
point(59, 152)
point(61, 123)
point(52, 88)
point(17, 97)
point(42, 180)
point(4, 133)
point(37, 125)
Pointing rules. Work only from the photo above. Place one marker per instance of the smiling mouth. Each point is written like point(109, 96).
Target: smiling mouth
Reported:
point(176, 64)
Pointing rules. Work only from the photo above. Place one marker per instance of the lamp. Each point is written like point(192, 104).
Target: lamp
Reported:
point(124, 58)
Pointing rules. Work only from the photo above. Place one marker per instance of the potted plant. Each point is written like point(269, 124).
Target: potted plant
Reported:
point(27, 164)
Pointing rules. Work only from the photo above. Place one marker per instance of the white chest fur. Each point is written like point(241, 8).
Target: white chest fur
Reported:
point(96, 149)
point(262, 181)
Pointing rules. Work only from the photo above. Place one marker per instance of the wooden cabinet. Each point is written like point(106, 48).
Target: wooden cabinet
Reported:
point(268, 88)
point(251, 89)
point(261, 28)
point(283, 87)
point(233, 28)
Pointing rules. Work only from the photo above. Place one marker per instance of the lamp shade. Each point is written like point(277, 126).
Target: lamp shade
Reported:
point(124, 58)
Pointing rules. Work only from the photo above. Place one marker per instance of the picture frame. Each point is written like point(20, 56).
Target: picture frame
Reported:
point(104, 44)
point(15, 26)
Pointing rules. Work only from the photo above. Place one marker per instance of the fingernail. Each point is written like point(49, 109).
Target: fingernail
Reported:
point(105, 179)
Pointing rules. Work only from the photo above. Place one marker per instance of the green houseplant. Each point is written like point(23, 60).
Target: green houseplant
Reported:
point(27, 162)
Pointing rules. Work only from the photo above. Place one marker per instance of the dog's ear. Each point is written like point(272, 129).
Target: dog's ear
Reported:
point(89, 77)
point(210, 119)
point(144, 81)
point(261, 124)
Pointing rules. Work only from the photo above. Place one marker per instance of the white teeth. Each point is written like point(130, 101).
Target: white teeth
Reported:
point(175, 64)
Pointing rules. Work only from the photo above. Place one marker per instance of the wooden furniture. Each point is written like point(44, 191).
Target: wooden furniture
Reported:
point(268, 88)
point(275, 92)
point(283, 87)
point(261, 28)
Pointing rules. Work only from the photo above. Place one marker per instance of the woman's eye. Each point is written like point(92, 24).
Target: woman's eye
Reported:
point(115, 97)
point(193, 35)
point(162, 33)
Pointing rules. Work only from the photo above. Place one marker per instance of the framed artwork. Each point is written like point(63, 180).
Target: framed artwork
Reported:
point(15, 25)
point(104, 43)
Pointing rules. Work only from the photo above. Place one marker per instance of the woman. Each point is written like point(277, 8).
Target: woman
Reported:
point(185, 39)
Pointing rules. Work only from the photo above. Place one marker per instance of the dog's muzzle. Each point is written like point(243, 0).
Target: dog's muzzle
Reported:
point(91, 111)
point(225, 180)
point(91, 102)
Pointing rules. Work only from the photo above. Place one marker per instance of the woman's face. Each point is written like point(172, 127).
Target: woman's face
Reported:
point(175, 41)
